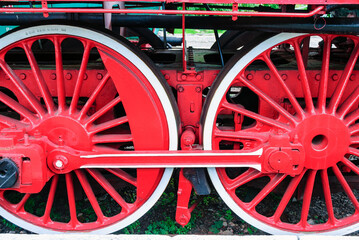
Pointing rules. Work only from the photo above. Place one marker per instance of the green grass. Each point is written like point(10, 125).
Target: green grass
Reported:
point(10, 225)
point(168, 226)
point(216, 227)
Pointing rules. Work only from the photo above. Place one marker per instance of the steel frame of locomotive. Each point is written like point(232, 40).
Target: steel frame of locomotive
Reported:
point(86, 113)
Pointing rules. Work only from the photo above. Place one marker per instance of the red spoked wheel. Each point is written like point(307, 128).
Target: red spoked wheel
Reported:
point(305, 95)
point(100, 96)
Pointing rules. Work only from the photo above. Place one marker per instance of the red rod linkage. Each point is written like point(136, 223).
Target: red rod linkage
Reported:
point(317, 10)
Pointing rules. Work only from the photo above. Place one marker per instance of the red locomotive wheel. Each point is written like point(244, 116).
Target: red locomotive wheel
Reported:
point(74, 89)
point(305, 95)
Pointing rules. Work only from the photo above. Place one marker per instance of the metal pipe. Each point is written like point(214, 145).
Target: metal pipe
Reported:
point(309, 25)
point(46, 10)
point(217, 40)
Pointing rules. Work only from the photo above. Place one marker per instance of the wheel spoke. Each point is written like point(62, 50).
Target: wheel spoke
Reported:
point(90, 195)
point(351, 165)
point(289, 93)
point(107, 125)
point(71, 199)
point(123, 175)
point(60, 84)
point(255, 116)
point(109, 189)
point(304, 78)
point(339, 90)
point(50, 199)
point(346, 187)
point(323, 87)
point(102, 111)
point(353, 151)
point(20, 206)
point(354, 129)
point(27, 94)
point(112, 138)
point(307, 198)
point(11, 122)
point(80, 77)
point(275, 181)
point(287, 196)
point(17, 107)
point(354, 140)
point(93, 96)
point(351, 117)
point(244, 178)
point(327, 196)
point(45, 92)
point(351, 101)
point(270, 101)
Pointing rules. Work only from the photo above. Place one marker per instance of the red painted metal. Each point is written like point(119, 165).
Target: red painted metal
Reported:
point(188, 138)
point(189, 98)
point(79, 142)
point(154, 159)
point(315, 2)
point(190, 85)
point(321, 125)
point(184, 47)
point(183, 212)
point(275, 149)
point(75, 126)
point(317, 10)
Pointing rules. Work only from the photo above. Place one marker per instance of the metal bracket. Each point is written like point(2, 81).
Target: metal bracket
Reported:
point(44, 6)
point(234, 9)
point(183, 212)
point(198, 178)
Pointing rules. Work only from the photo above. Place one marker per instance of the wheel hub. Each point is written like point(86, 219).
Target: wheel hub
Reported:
point(325, 139)
point(65, 131)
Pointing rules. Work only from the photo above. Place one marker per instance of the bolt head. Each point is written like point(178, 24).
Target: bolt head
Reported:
point(22, 76)
point(266, 76)
point(68, 76)
point(317, 77)
point(99, 76)
point(352, 77)
point(60, 162)
point(53, 76)
point(284, 77)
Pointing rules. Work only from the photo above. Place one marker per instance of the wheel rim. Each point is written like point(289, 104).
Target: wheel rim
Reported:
point(91, 114)
point(314, 107)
